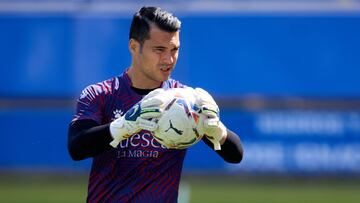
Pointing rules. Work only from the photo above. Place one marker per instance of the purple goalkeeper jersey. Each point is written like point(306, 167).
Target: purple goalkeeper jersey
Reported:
point(140, 169)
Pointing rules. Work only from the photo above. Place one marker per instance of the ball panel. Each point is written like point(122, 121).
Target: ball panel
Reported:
point(179, 121)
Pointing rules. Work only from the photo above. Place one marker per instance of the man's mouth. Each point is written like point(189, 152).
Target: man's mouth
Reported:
point(165, 68)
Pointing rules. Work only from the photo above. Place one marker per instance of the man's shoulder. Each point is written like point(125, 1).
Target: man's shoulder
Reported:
point(107, 86)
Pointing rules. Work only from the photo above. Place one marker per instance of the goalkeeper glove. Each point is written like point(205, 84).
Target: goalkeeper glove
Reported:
point(213, 128)
point(143, 115)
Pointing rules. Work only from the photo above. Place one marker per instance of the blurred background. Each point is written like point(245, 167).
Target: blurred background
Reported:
point(285, 74)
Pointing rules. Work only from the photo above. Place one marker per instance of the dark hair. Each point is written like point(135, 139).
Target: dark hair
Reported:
point(140, 26)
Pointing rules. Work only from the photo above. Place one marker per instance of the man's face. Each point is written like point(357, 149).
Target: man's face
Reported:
point(157, 57)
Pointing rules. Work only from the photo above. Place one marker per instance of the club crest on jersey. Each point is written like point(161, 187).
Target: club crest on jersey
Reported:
point(117, 113)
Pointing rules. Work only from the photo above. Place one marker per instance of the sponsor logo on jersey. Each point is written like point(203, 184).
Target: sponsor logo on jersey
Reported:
point(140, 145)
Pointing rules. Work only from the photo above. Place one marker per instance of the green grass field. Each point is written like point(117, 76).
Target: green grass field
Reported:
point(32, 188)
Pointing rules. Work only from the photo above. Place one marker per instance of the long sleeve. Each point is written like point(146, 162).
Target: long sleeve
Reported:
point(232, 150)
point(86, 138)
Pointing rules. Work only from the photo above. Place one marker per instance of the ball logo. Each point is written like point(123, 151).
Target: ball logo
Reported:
point(180, 132)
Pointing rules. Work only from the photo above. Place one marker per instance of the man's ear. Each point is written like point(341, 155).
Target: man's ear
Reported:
point(134, 46)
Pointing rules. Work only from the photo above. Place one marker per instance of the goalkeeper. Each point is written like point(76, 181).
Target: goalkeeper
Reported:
point(140, 169)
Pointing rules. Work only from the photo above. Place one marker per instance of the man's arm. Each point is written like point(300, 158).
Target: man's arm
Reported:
point(86, 138)
point(231, 148)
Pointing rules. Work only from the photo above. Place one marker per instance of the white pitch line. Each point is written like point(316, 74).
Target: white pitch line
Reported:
point(184, 193)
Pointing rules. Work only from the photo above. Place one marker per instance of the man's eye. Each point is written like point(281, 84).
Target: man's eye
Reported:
point(159, 50)
point(175, 50)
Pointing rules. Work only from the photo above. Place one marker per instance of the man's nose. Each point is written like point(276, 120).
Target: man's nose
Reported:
point(168, 58)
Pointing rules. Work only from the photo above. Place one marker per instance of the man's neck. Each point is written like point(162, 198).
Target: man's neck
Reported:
point(139, 82)
point(142, 91)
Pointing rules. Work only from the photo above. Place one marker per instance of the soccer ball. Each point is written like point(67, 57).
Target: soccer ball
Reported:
point(178, 126)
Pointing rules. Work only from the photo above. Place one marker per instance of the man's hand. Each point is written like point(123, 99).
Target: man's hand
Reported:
point(213, 128)
point(142, 115)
